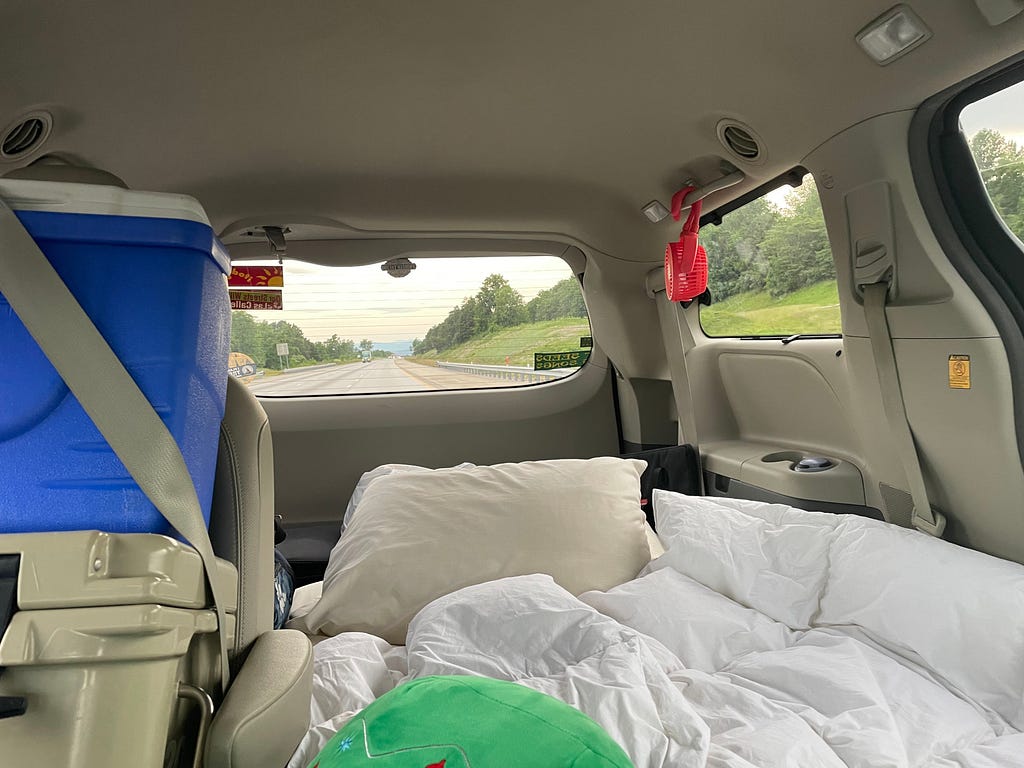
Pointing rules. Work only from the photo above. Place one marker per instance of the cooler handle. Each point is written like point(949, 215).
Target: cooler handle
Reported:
point(201, 699)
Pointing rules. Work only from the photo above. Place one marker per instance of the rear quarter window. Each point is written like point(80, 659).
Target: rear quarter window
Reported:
point(451, 323)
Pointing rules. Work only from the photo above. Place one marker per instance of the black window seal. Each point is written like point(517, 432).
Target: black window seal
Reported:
point(794, 177)
point(970, 231)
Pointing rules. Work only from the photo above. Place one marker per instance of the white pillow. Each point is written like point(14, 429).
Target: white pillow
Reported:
point(420, 535)
point(960, 611)
point(384, 469)
point(334, 560)
point(654, 544)
point(777, 565)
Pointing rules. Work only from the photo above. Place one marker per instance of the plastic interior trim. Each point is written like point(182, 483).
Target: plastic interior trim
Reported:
point(972, 235)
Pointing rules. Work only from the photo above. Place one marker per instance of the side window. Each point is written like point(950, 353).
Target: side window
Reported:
point(771, 271)
point(450, 323)
point(994, 127)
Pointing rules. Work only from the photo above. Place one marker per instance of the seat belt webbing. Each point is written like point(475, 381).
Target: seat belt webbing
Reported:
point(924, 517)
point(673, 335)
point(107, 393)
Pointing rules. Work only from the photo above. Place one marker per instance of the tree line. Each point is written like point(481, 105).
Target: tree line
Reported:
point(766, 248)
point(259, 339)
point(1001, 162)
point(498, 305)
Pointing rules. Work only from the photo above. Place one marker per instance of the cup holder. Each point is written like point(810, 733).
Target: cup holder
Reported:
point(791, 456)
point(800, 462)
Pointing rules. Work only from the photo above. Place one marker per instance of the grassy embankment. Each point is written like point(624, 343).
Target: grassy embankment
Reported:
point(814, 309)
point(518, 343)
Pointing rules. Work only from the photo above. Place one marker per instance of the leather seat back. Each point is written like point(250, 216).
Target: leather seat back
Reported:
point(242, 515)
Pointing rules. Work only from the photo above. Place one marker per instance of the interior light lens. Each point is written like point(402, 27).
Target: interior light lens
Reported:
point(894, 33)
point(655, 211)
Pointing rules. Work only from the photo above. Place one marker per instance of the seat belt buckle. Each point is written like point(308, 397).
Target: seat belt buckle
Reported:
point(925, 525)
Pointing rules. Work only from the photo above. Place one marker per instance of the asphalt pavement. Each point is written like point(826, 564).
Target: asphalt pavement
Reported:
point(366, 378)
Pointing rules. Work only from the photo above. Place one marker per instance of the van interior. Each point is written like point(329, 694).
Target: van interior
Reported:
point(466, 214)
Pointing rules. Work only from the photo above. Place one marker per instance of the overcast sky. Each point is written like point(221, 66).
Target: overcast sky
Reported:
point(1002, 111)
point(364, 302)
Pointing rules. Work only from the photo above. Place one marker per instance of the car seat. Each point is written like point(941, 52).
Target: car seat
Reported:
point(266, 711)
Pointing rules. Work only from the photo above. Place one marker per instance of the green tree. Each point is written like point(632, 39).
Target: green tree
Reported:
point(991, 149)
point(259, 340)
point(365, 345)
point(282, 331)
point(736, 260)
point(563, 299)
point(498, 304)
point(1001, 163)
point(247, 335)
point(336, 348)
point(796, 245)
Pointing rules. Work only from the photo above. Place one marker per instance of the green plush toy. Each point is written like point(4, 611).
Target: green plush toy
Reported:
point(470, 722)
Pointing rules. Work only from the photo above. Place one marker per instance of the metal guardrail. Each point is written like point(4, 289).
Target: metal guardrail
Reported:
point(509, 372)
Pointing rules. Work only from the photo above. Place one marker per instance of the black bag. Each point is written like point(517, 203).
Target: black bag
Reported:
point(671, 469)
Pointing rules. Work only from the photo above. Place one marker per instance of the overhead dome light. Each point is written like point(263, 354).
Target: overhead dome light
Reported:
point(893, 34)
point(655, 211)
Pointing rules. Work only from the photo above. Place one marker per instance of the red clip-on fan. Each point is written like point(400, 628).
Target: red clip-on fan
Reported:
point(686, 261)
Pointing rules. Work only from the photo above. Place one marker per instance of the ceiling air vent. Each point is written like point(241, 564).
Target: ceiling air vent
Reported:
point(741, 141)
point(25, 136)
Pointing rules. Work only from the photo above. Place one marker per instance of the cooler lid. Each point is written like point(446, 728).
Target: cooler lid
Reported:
point(66, 197)
point(81, 569)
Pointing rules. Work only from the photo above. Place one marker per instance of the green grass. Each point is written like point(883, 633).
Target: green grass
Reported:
point(814, 309)
point(518, 343)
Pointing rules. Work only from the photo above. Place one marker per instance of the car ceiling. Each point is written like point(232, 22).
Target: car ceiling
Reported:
point(461, 116)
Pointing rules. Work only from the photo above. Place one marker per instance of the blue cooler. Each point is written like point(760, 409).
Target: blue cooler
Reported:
point(150, 273)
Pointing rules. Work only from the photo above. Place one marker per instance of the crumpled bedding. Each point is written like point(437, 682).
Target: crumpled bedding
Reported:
point(680, 674)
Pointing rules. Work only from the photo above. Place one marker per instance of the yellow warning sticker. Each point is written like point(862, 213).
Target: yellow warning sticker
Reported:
point(959, 371)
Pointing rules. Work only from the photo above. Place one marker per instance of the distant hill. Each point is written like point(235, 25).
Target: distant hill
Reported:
point(401, 348)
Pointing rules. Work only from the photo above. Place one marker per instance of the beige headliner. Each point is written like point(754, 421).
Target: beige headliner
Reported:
point(539, 116)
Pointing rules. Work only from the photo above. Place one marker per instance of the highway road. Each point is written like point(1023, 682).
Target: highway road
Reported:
point(366, 378)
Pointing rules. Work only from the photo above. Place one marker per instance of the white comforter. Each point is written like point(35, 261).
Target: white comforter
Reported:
point(740, 689)
point(681, 675)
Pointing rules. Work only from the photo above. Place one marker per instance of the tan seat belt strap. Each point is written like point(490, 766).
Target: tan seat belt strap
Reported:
point(875, 297)
point(107, 393)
